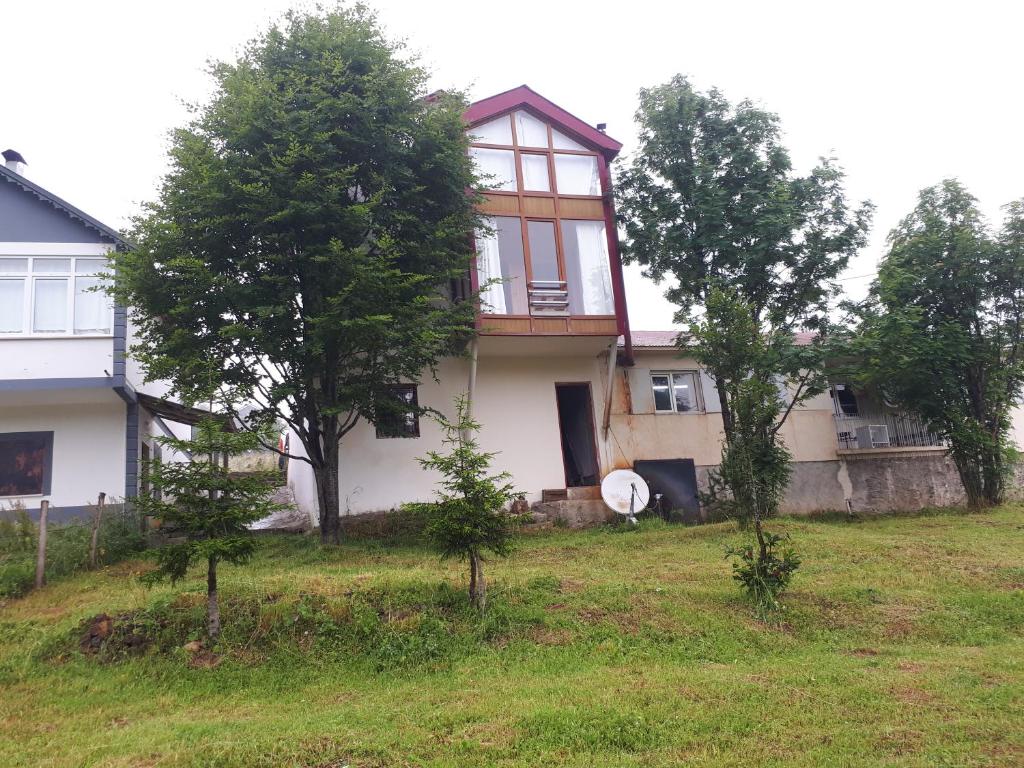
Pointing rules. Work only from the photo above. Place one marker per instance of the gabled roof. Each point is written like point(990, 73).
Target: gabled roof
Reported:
point(526, 97)
point(61, 205)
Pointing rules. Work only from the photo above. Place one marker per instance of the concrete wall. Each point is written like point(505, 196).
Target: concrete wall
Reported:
point(515, 404)
point(88, 448)
point(56, 358)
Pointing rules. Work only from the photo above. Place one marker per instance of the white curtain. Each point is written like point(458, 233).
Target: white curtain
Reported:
point(530, 131)
point(92, 307)
point(595, 278)
point(577, 175)
point(488, 267)
point(535, 173)
point(50, 309)
point(495, 167)
point(12, 305)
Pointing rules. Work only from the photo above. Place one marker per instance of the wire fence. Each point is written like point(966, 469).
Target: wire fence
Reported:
point(68, 545)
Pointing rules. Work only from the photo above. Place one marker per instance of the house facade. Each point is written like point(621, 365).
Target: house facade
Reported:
point(75, 416)
point(566, 393)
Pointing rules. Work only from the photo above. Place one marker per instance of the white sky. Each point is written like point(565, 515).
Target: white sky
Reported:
point(904, 93)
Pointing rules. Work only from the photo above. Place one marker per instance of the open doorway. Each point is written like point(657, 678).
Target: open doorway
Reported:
point(576, 426)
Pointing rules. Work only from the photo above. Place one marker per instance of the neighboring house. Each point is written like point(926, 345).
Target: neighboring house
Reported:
point(564, 391)
point(75, 417)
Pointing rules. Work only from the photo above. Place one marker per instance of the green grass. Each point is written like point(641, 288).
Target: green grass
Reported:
point(902, 645)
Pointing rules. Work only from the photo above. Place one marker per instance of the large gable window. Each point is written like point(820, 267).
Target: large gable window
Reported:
point(54, 296)
point(25, 462)
point(545, 249)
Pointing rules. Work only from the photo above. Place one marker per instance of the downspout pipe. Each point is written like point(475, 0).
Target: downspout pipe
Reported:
point(609, 389)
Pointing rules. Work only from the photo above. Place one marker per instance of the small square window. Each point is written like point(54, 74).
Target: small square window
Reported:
point(26, 459)
point(400, 418)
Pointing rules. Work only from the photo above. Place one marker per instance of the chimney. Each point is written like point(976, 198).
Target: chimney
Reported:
point(13, 161)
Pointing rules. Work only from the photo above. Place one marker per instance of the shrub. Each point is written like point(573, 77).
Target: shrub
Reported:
point(764, 578)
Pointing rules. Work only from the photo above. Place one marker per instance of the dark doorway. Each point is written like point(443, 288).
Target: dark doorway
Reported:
point(576, 425)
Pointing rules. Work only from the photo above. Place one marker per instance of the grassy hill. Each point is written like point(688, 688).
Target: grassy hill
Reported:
point(902, 645)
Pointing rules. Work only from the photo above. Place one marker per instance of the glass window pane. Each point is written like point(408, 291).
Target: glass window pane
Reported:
point(14, 265)
point(495, 132)
point(23, 463)
point(50, 306)
point(93, 311)
point(89, 266)
point(535, 173)
point(577, 175)
point(12, 306)
point(51, 266)
point(684, 390)
point(530, 131)
point(543, 256)
point(662, 397)
point(500, 257)
point(561, 141)
point(587, 273)
point(495, 167)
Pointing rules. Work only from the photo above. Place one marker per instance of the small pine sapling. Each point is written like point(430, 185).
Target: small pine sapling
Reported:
point(471, 515)
point(204, 508)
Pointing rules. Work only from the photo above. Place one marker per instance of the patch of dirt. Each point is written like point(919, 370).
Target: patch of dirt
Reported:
point(909, 694)
point(204, 659)
point(550, 636)
point(113, 636)
point(863, 653)
point(571, 585)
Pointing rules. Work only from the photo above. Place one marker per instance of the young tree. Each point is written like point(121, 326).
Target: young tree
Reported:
point(313, 216)
point(205, 506)
point(471, 515)
point(941, 332)
point(710, 200)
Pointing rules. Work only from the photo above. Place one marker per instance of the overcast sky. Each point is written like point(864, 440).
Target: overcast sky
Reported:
point(904, 94)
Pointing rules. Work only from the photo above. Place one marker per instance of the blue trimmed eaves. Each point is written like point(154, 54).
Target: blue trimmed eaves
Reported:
point(63, 206)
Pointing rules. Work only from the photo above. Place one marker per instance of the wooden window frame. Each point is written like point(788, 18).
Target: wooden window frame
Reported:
point(521, 194)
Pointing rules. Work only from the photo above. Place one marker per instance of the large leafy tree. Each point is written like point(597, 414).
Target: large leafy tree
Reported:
point(943, 330)
point(710, 201)
point(313, 216)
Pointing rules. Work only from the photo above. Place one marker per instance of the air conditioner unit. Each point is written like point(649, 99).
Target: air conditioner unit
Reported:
point(873, 436)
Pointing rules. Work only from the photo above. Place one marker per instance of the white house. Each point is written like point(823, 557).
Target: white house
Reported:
point(75, 416)
point(563, 389)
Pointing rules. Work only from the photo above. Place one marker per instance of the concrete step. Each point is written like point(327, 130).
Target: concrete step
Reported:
point(572, 513)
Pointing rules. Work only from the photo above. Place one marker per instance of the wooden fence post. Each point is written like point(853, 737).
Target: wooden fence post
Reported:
point(96, 517)
point(44, 507)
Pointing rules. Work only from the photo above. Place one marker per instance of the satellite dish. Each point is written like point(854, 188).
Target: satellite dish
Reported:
point(625, 492)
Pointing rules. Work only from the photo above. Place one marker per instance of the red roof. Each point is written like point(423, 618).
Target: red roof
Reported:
point(667, 339)
point(526, 97)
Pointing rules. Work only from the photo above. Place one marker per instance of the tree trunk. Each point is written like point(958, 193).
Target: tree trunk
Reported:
point(212, 604)
point(970, 477)
point(328, 495)
point(477, 584)
point(723, 402)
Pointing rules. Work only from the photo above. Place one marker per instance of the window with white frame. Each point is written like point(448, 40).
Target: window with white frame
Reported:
point(54, 295)
point(677, 392)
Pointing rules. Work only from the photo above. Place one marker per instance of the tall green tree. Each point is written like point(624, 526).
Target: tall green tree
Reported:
point(942, 331)
point(314, 214)
point(204, 509)
point(711, 202)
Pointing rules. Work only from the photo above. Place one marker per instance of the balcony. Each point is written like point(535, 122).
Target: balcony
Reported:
point(883, 429)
